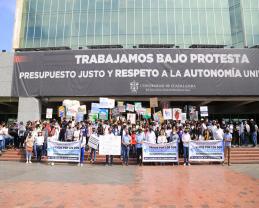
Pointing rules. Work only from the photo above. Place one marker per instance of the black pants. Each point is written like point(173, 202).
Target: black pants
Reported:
point(139, 155)
point(39, 152)
point(109, 157)
point(16, 141)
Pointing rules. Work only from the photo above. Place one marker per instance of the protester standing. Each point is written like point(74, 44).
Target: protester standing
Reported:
point(109, 158)
point(139, 140)
point(126, 140)
point(186, 138)
point(227, 145)
point(29, 147)
point(39, 140)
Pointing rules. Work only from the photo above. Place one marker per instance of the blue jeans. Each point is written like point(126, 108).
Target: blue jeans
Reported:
point(244, 138)
point(126, 150)
point(82, 156)
point(8, 140)
point(44, 149)
point(1, 142)
point(186, 154)
point(28, 156)
point(254, 137)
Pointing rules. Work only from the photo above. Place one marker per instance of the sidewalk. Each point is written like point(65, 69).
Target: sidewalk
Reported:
point(40, 185)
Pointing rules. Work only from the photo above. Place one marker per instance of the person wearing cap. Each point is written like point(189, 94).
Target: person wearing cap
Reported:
point(186, 138)
point(227, 145)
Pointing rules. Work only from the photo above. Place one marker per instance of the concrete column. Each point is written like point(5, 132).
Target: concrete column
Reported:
point(29, 109)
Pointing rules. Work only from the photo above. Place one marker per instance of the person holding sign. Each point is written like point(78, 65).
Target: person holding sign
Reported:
point(126, 140)
point(186, 138)
point(109, 158)
point(227, 140)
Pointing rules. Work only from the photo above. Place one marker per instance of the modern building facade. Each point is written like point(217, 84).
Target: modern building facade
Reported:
point(133, 24)
point(80, 23)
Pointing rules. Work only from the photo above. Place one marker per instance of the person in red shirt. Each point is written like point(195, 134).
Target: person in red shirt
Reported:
point(133, 142)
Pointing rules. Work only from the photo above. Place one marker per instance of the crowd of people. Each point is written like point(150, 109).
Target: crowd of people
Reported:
point(33, 135)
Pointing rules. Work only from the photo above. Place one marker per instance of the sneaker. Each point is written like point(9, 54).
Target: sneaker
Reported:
point(27, 162)
point(81, 164)
point(189, 164)
point(184, 164)
point(30, 162)
point(78, 164)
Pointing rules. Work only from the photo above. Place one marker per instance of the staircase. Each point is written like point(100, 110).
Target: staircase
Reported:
point(245, 155)
point(19, 155)
point(242, 155)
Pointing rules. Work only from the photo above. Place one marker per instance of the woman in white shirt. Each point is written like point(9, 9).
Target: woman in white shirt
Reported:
point(162, 137)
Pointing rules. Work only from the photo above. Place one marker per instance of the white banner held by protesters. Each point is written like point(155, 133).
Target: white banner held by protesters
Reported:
point(206, 151)
point(93, 142)
point(160, 152)
point(64, 151)
point(110, 145)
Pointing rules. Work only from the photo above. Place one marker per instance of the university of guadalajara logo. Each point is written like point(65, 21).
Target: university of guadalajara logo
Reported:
point(134, 86)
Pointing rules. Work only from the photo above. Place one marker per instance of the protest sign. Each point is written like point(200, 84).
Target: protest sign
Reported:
point(167, 114)
point(110, 145)
point(115, 112)
point(204, 111)
point(138, 106)
point(49, 112)
point(82, 109)
point(132, 118)
point(95, 107)
point(93, 117)
point(120, 103)
point(93, 141)
point(158, 116)
point(160, 152)
point(79, 117)
point(147, 113)
point(206, 151)
point(61, 111)
point(122, 109)
point(63, 151)
point(103, 114)
point(107, 103)
point(184, 117)
point(177, 114)
point(130, 107)
point(153, 102)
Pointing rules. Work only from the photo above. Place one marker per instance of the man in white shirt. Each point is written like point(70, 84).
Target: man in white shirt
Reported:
point(219, 133)
point(39, 140)
point(109, 158)
point(186, 138)
point(151, 136)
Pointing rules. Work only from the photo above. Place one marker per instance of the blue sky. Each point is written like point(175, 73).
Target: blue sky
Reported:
point(7, 14)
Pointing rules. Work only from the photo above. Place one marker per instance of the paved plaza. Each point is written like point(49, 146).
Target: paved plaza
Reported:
point(65, 185)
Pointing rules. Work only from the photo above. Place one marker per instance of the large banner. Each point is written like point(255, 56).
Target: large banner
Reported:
point(130, 72)
point(109, 145)
point(64, 151)
point(206, 151)
point(160, 152)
